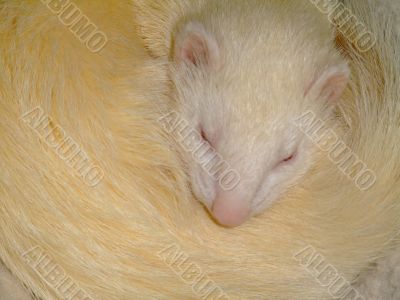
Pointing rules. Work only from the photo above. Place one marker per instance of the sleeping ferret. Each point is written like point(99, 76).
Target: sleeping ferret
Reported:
point(242, 73)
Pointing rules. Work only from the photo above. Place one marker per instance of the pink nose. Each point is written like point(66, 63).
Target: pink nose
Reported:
point(230, 210)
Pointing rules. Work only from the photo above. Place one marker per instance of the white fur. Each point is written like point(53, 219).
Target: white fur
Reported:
point(107, 239)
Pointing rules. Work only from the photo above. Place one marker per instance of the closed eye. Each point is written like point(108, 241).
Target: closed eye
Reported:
point(291, 157)
point(203, 135)
point(211, 139)
point(287, 160)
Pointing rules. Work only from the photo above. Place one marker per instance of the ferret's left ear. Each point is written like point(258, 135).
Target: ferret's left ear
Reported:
point(197, 47)
point(331, 83)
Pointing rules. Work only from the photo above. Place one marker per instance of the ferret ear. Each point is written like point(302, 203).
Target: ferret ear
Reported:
point(195, 46)
point(331, 83)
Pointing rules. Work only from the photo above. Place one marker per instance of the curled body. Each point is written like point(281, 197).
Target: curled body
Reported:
point(107, 239)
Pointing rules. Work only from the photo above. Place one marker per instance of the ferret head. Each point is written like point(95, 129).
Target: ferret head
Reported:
point(242, 92)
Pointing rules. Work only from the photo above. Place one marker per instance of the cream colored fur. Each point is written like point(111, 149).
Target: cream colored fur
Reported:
point(10, 288)
point(107, 238)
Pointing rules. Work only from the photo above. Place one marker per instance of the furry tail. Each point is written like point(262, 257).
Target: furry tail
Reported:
point(368, 35)
point(370, 38)
point(373, 117)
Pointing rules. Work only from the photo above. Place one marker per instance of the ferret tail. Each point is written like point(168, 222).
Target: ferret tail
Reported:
point(371, 104)
point(369, 34)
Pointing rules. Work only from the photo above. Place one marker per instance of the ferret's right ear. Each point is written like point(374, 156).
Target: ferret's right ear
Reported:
point(195, 46)
point(331, 83)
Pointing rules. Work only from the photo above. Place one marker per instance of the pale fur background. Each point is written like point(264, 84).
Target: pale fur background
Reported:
point(107, 238)
point(10, 287)
point(382, 280)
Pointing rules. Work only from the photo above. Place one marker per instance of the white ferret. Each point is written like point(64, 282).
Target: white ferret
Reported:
point(243, 72)
point(107, 240)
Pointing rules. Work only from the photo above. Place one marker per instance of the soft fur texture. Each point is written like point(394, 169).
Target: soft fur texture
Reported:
point(10, 288)
point(382, 281)
point(107, 238)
